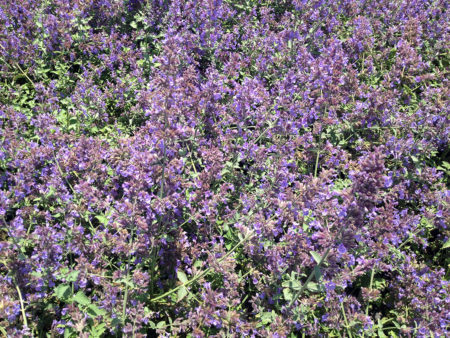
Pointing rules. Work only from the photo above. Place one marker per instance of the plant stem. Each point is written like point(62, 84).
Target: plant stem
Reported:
point(22, 306)
point(125, 297)
point(409, 238)
point(161, 191)
point(346, 321)
point(317, 163)
point(246, 274)
point(192, 160)
point(372, 273)
point(166, 125)
point(204, 273)
point(311, 275)
point(21, 70)
point(62, 173)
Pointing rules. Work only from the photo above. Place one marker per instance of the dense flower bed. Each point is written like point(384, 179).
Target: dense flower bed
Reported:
point(224, 168)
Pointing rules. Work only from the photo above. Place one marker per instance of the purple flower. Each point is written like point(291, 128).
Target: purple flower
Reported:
point(387, 181)
point(342, 249)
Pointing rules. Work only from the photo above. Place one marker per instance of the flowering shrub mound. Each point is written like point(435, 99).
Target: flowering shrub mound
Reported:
point(274, 168)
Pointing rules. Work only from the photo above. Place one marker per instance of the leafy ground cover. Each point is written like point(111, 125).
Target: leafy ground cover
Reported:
point(224, 168)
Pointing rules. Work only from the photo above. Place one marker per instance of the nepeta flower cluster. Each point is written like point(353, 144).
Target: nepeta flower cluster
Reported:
point(224, 168)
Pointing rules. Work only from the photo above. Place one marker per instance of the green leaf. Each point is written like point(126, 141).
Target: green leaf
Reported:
point(292, 284)
point(36, 274)
point(110, 171)
point(381, 333)
point(51, 191)
point(115, 322)
point(94, 311)
point(72, 276)
point(313, 287)
point(81, 298)
point(63, 291)
point(317, 257)
point(102, 219)
point(98, 330)
point(3, 331)
point(287, 294)
point(380, 330)
point(127, 282)
point(161, 325)
point(267, 317)
point(317, 273)
point(197, 264)
point(446, 244)
point(182, 292)
point(69, 332)
point(182, 277)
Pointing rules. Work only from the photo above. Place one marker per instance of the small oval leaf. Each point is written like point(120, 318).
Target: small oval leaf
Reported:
point(182, 292)
point(182, 277)
point(316, 256)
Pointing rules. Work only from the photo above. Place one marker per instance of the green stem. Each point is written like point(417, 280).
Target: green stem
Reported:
point(362, 63)
point(21, 70)
point(192, 160)
point(316, 166)
point(204, 273)
point(62, 173)
point(246, 274)
point(22, 306)
point(154, 256)
point(409, 238)
point(161, 191)
point(372, 274)
point(317, 163)
point(346, 321)
point(125, 297)
point(261, 135)
point(13, 238)
point(311, 275)
point(166, 125)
